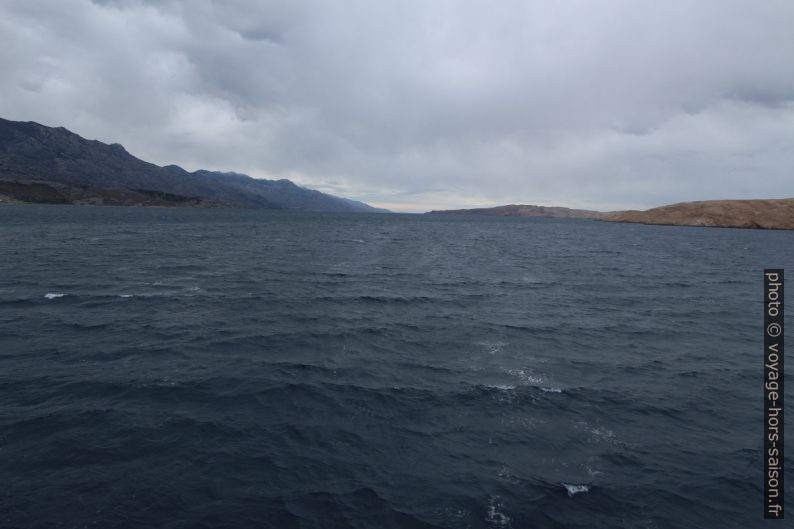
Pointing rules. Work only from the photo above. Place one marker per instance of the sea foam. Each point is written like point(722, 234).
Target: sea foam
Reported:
point(575, 489)
point(495, 516)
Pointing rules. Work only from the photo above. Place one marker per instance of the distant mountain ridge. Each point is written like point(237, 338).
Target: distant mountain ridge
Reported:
point(524, 210)
point(54, 165)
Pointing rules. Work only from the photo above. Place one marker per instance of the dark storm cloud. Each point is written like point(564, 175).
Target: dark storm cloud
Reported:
point(420, 104)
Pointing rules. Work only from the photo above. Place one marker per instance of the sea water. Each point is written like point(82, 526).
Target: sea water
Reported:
point(239, 368)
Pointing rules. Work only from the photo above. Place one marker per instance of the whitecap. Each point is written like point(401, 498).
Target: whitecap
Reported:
point(53, 295)
point(525, 378)
point(551, 390)
point(575, 489)
point(502, 387)
point(125, 295)
point(494, 517)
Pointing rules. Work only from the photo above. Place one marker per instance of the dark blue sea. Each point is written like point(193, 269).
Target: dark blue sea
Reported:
point(184, 368)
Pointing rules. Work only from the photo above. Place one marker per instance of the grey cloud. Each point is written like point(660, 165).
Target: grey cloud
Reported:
point(614, 104)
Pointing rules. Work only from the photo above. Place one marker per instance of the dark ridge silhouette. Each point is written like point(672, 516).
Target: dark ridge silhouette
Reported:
point(40, 164)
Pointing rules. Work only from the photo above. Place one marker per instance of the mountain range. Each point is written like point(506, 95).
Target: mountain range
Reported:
point(40, 164)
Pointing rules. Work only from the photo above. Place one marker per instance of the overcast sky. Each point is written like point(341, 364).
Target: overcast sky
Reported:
point(421, 104)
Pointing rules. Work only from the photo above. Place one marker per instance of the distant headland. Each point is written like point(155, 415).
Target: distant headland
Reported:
point(523, 210)
point(772, 214)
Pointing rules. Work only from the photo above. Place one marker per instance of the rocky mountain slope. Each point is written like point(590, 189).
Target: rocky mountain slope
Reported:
point(54, 165)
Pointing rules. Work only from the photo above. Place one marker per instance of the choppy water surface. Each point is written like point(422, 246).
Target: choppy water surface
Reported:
point(221, 368)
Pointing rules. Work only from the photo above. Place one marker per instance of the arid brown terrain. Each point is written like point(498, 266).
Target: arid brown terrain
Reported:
point(772, 214)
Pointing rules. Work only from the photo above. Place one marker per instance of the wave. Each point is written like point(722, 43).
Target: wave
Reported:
point(526, 379)
point(495, 515)
point(380, 299)
point(501, 387)
point(575, 489)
